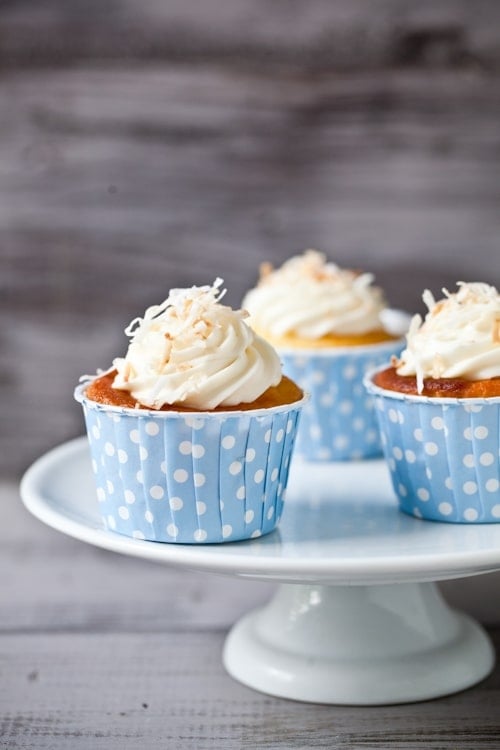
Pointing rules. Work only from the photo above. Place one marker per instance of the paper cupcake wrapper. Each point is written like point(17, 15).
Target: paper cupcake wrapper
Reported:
point(443, 455)
point(338, 422)
point(190, 477)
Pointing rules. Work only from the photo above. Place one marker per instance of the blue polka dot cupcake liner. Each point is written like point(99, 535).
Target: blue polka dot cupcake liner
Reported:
point(190, 477)
point(338, 422)
point(442, 453)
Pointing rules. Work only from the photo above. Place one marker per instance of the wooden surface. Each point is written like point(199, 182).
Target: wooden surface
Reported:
point(157, 144)
point(103, 651)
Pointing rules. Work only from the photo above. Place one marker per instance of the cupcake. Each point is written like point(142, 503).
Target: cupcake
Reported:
point(191, 432)
point(438, 407)
point(330, 326)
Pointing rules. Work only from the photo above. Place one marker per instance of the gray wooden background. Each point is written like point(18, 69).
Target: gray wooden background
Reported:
point(154, 144)
point(146, 144)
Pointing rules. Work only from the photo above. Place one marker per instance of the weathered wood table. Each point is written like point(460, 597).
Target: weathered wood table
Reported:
point(144, 146)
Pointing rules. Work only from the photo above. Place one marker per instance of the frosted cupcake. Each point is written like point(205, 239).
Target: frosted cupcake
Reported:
point(192, 431)
point(439, 409)
point(330, 326)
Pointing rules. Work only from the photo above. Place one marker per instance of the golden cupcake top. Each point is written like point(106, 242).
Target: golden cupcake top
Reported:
point(311, 298)
point(458, 338)
point(194, 351)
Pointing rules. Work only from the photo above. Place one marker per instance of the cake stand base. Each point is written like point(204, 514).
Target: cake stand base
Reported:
point(358, 645)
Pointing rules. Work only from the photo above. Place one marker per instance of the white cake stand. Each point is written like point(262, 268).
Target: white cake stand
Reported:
point(357, 618)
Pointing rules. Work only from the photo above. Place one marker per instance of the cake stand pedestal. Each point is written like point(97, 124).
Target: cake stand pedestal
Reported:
point(357, 618)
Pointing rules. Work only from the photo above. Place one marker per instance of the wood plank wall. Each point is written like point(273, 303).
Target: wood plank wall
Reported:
point(149, 145)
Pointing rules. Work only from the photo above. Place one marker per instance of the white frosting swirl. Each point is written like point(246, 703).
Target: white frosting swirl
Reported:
point(311, 298)
point(193, 351)
point(459, 338)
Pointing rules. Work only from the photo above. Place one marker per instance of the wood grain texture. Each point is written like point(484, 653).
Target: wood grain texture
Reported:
point(98, 650)
point(318, 34)
point(117, 184)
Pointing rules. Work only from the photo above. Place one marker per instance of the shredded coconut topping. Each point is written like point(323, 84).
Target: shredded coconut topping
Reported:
point(459, 336)
point(311, 298)
point(194, 351)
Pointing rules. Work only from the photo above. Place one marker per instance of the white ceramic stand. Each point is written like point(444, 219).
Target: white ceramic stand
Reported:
point(357, 618)
point(362, 645)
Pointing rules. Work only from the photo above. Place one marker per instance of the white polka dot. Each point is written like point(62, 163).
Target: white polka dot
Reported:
point(315, 431)
point(110, 486)
point(274, 474)
point(270, 513)
point(349, 372)
point(185, 447)
point(249, 516)
point(492, 485)
point(172, 529)
point(227, 530)
point(340, 442)
point(470, 514)
point(280, 435)
point(445, 509)
point(258, 476)
point(199, 479)
point(448, 483)
point(470, 488)
point(157, 492)
point(111, 522)
point(241, 493)
point(152, 429)
point(140, 476)
point(122, 456)
point(143, 453)
point(317, 377)
point(176, 503)
point(437, 423)
point(495, 511)
point(468, 433)
point(129, 497)
point(123, 512)
point(255, 534)
point(397, 453)
point(249, 455)
point(469, 461)
point(431, 448)
point(428, 473)
point(221, 504)
point(180, 475)
point(481, 432)
point(195, 423)
point(289, 426)
point(94, 466)
point(138, 534)
point(393, 415)
point(149, 516)
point(391, 463)
point(101, 495)
point(358, 424)
point(486, 459)
point(163, 467)
point(418, 434)
point(109, 449)
point(423, 494)
point(473, 408)
point(235, 467)
point(372, 436)
point(228, 442)
point(326, 399)
point(417, 512)
point(402, 490)
point(198, 451)
point(346, 407)
point(96, 432)
point(267, 436)
point(201, 507)
point(410, 456)
point(134, 436)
